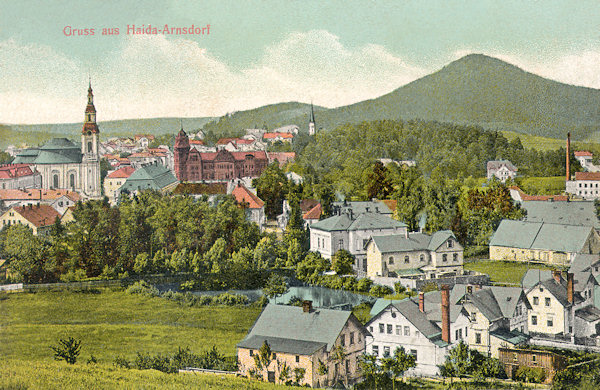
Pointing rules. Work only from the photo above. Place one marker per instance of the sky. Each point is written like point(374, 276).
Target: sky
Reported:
point(254, 53)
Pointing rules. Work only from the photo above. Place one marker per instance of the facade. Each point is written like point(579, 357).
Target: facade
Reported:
point(585, 185)
point(585, 159)
point(513, 358)
point(114, 180)
point(304, 338)
point(253, 205)
point(543, 242)
point(429, 255)
point(66, 165)
point(501, 169)
point(19, 176)
point(55, 198)
point(406, 324)
point(193, 166)
point(39, 217)
point(351, 232)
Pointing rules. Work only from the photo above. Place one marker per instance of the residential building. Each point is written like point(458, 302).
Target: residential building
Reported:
point(278, 137)
point(305, 206)
point(501, 169)
point(514, 358)
point(114, 180)
point(585, 185)
point(39, 217)
point(64, 164)
point(498, 318)
point(253, 205)
point(313, 215)
point(283, 158)
point(59, 199)
point(351, 232)
point(194, 166)
point(304, 338)
point(19, 176)
point(63, 202)
point(406, 324)
point(414, 253)
point(544, 242)
point(585, 159)
point(150, 177)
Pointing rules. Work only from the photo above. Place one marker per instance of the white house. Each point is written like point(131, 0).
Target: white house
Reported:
point(585, 185)
point(501, 169)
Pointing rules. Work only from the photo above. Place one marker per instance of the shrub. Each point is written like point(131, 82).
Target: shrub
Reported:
point(530, 374)
point(399, 288)
point(121, 362)
point(364, 285)
point(92, 360)
point(67, 350)
point(144, 288)
point(380, 291)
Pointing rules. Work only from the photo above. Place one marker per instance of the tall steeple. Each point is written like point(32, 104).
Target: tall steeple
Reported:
point(89, 124)
point(311, 122)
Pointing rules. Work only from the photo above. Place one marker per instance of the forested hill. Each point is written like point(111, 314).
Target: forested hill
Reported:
point(476, 90)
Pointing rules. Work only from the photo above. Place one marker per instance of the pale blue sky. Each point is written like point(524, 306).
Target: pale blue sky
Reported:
point(258, 52)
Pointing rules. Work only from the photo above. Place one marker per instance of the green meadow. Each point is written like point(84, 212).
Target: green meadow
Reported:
point(503, 272)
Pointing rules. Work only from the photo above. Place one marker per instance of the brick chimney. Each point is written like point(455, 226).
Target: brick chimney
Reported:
point(445, 313)
point(422, 302)
point(568, 156)
point(556, 276)
point(570, 287)
point(306, 306)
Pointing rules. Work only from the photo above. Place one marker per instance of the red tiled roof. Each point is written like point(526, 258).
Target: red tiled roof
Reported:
point(582, 153)
point(244, 195)
point(307, 204)
point(225, 141)
point(39, 215)
point(38, 194)
point(120, 173)
point(111, 156)
point(141, 155)
point(556, 198)
point(197, 142)
point(391, 204)
point(149, 136)
point(275, 135)
point(587, 175)
point(260, 154)
point(314, 213)
point(12, 171)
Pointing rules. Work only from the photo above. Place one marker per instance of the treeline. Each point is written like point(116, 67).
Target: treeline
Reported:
point(342, 157)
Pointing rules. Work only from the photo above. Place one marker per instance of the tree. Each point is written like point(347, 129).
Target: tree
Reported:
point(337, 357)
point(342, 262)
point(396, 365)
point(271, 187)
point(371, 370)
point(326, 197)
point(263, 358)
point(276, 286)
point(378, 183)
point(67, 350)
point(25, 253)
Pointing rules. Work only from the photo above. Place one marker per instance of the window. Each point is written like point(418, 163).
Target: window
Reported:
point(251, 352)
point(343, 340)
point(381, 328)
point(477, 338)
point(375, 350)
point(407, 330)
point(359, 337)
point(389, 329)
point(414, 353)
point(444, 258)
point(547, 301)
point(351, 338)
point(55, 181)
point(534, 359)
point(455, 257)
point(473, 317)
point(274, 355)
point(341, 244)
point(550, 322)
point(370, 329)
point(422, 258)
point(450, 243)
point(391, 260)
point(386, 351)
point(406, 259)
point(399, 330)
point(536, 300)
point(533, 320)
point(347, 365)
point(297, 359)
point(72, 180)
point(89, 147)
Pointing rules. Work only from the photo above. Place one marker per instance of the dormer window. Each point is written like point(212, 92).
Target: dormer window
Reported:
point(450, 243)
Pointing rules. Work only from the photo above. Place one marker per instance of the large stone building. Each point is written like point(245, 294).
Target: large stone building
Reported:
point(63, 164)
point(223, 165)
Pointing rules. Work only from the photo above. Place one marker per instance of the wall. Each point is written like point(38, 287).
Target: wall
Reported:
point(555, 311)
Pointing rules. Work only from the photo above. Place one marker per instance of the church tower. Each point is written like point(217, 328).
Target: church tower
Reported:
point(311, 122)
point(90, 150)
point(182, 151)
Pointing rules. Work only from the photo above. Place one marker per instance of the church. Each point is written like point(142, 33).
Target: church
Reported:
point(66, 165)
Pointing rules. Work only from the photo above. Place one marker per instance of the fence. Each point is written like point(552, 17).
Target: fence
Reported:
point(11, 287)
point(207, 371)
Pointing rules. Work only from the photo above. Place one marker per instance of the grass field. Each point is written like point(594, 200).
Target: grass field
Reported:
point(502, 271)
point(551, 185)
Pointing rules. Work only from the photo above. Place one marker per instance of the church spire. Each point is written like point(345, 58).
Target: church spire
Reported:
point(311, 122)
point(89, 124)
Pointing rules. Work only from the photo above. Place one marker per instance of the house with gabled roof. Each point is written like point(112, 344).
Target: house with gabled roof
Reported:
point(498, 318)
point(579, 213)
point(38, 217)
point(16, 176)
point(414, 254)
point(544, 242)
point(417, 325)
point(254, 206)
point(351, 232)
point(114, 180)
point(501, 169)
point(304, 338)
point(155, 177)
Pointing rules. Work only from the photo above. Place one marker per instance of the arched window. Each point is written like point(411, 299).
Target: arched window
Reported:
point(422, 258)
point(55, 181)
point(391, 260)
point(89, 146)
point(406, 259)
point(72, 180)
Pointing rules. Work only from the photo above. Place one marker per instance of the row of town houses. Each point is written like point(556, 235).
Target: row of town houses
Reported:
point(496, 321)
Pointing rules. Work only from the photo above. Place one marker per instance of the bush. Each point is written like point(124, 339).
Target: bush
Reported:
point(144, 288)
point(530, 374)
point(380, 291)
point(73, 276)
point(399, 288)
point(67, 350)
point(364, 285)
point(157, 362)
point(121, 362)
